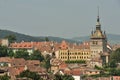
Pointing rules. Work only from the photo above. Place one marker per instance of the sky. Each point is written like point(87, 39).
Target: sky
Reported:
point(59, 18)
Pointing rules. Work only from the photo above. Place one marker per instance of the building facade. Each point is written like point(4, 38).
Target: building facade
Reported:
point(73, 52)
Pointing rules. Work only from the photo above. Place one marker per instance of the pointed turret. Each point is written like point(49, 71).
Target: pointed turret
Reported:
point(98, 25)
point(98, 32)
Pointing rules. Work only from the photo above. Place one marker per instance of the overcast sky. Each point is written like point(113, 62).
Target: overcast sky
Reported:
point(60, 18)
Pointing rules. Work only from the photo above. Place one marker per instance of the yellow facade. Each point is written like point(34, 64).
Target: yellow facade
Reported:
point(74, 54)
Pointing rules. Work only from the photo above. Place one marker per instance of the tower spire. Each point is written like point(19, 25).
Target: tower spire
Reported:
point(98, 15)
point(98, 25)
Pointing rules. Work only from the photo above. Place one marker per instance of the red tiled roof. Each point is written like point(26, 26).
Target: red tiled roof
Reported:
point(76, 72)
point(32, 62)
point(5, 59)
point(62, 65)
point(18, 62)
point(37, 69)
point(21, 45)
point(64, 45)
point(13, 71)
point(49, 46)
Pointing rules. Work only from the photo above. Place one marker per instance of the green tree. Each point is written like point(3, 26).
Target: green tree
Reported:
point(10, 53)
point(46, 39)
point(112, 64)
point(47, 62)
point(115, 55)
point(22, 53)
point(29, 74)
point(11, 38)
point(63, 77)
point(37, 56)
point(5, 77)
point(3, 51)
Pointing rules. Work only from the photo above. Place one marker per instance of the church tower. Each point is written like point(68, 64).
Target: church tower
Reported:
point(98, 40)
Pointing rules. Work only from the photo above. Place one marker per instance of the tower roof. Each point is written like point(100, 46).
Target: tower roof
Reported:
point(98, 32)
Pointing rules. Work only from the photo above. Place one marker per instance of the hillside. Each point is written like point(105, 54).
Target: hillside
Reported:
point(19, 36)
point(23, 37)
point(112, 38)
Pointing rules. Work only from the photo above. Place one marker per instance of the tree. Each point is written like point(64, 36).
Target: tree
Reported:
point(46, 39)
point(115, 55)
point(10, 53)
point(22, 53)
point(63, 77)
point(47, 64)
point(29, 74)
point(37, 56)
point(3, 51)
point(11, 38)
point(5, 77)
point(112, 64)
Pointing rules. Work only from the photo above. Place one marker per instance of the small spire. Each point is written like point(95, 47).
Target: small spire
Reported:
point(98, 15)
point(98, 21)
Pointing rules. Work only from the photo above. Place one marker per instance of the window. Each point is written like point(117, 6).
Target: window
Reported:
point(95, 42)
point(75, 53)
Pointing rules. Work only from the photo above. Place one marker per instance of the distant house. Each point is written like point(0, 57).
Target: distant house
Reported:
point(5, 61)
point(18, 62)
point(3, 72)
point(43, 47)
point(4, 42)
point(23, 45)
point(116, 78)
point(91, 72)
point(33, 62)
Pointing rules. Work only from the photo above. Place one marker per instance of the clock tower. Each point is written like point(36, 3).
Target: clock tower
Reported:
point(98, 40)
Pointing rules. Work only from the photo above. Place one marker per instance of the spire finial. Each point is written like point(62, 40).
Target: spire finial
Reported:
point(98, 15)
point(98, 10)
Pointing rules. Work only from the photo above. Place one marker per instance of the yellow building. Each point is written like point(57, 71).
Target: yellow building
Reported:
point(73, 52)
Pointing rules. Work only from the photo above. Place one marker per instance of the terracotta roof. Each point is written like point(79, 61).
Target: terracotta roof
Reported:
point(55, 61)
point(64, 45)
point(5, 59)
point(104, 78)
point(21, 45)
point(50, 46)
point(116, 77)
point(32, 62)
point(76, 72)
point(37, 69)
point(62, 65)
point(13, 71)
point(18, 62)
point(66, 71)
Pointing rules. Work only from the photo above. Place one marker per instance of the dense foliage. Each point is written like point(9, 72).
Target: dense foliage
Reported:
point(3, 51)
point(11, 38)
point(76, 61)
point(63, 77)
point(37, 56)
point(115, 55)
point(21, 53)
point(47, 64)
point(29, 74)
point(5, 77)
